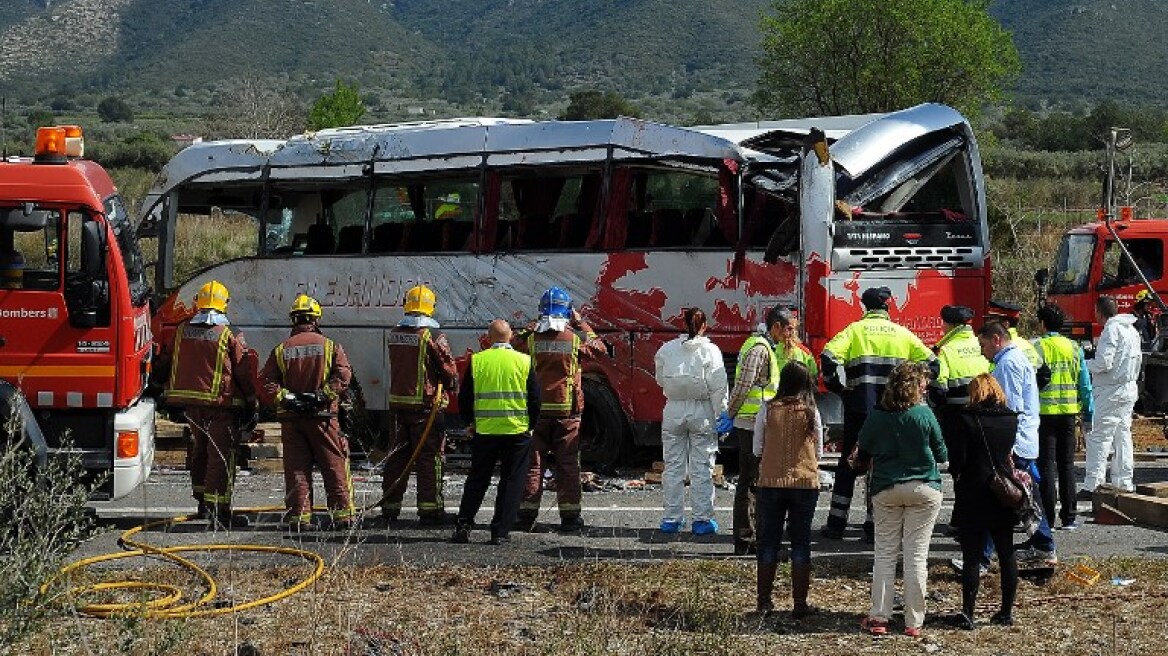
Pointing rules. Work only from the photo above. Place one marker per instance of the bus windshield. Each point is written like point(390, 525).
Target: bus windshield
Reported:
point(1072, 265)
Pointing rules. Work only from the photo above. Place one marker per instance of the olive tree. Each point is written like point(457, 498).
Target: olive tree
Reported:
point(832, 57)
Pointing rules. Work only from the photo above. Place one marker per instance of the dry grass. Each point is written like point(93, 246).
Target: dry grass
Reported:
point(678, 607)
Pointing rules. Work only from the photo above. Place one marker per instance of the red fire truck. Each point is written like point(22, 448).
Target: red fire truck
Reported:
point(1119, 255)
point(74, 310)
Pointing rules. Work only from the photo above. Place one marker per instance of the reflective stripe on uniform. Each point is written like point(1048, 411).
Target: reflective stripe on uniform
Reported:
point(208, 334)
point(500, 391)
point(757, 395)
point(1061, 395)
point(959, 360)
point(327, 350)
point(562, 406)
point(419, 340)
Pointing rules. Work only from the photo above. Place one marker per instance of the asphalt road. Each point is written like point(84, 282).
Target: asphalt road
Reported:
point(621, 527)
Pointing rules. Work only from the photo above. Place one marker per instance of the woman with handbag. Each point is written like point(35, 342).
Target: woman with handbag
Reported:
point(788, 440)
point(902, 438)
point(982, 466)
point(692, 376)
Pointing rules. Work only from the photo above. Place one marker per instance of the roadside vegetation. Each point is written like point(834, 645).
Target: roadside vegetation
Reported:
point(670, 607)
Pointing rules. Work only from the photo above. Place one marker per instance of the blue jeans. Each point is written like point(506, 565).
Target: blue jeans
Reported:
point(1043, 539)
point(790, 507)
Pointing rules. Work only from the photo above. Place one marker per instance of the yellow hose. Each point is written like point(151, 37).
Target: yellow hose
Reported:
point(168, 606)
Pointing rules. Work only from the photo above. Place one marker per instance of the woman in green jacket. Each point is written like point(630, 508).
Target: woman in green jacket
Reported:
point(903, 440)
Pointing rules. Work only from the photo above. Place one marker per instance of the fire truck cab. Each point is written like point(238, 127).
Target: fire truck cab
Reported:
point(74, 310)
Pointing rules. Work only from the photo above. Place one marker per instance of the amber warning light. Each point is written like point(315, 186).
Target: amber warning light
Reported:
point(57, 144)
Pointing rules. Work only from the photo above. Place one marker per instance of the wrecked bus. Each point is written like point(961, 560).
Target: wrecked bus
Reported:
point(638, 220)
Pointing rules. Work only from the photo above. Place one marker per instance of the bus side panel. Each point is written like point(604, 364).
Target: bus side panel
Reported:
point(917, 298)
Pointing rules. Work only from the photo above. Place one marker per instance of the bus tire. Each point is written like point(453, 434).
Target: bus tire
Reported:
point(602, 427)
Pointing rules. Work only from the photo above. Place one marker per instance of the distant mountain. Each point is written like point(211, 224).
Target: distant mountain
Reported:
point(462, 50)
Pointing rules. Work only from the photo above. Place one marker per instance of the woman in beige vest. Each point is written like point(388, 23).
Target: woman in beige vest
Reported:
point(788, 439)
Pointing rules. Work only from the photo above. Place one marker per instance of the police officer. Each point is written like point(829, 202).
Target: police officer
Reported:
point(959, 361)
point(499, 399)
point(556, 351)
point(856, 364)
point(756, 379)
point(304, 377)
point(212, 377)
point(959, 358)
point(1060, 402)
point(419, 360)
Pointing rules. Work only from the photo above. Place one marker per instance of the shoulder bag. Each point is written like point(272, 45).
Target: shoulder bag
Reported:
point(1005, 487)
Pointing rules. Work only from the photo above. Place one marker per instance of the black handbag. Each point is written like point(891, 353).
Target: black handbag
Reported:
point(1009, 492)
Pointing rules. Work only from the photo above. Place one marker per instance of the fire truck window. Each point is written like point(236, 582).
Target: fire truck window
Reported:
point(28, 259)
point(1148, 256)
point(133, 263)
point(1072, 264)
point(86, 281)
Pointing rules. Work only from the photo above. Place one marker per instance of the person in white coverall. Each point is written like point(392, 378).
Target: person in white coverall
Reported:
point(692, 375)
point(1115, 370)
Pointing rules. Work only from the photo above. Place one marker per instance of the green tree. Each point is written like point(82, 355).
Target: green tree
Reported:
point(112, 109)
point(341, 107)
point(590, 105)
point(830, 57)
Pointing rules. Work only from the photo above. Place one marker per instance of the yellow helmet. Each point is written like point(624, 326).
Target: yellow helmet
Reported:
point(1143, 295)
point(305, 304)
point(212, 296)
point(420, 299)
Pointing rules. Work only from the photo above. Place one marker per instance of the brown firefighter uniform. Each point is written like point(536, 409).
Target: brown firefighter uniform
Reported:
point(556, 356)
point(309, 362)
point(419, 359)
point(212, 377)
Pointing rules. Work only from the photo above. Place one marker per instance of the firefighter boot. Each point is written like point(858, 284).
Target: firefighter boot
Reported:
point(800, 584)
point(766, 584)
point(571, 523)
point(461, 532)
point(223, 519)
point(201, 510)
point(525, 521)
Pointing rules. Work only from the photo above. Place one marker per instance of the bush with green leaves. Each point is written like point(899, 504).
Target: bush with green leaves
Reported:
point(43, 518)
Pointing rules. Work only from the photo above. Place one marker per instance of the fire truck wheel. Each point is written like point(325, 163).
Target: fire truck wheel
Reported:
point(602, 428)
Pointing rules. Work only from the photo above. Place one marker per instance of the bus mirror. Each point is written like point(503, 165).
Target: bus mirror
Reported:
point(1040, 277)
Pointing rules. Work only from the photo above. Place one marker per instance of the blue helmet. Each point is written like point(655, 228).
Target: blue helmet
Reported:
point(555, 303)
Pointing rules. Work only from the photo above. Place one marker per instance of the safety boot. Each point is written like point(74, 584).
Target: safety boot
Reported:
point(525, 522)
point(225, 520)
point(571, 523)
point(461, 533)
point(765, 586)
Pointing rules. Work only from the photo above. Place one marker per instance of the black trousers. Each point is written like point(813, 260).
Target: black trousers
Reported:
point(845, 477)
point(973, 542)
point(513, 454)
point(1056, 466)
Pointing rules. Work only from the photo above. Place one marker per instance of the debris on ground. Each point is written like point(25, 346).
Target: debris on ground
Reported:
point(503, 590)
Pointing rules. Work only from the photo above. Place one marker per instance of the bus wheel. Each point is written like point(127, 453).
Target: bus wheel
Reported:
point(602, 427)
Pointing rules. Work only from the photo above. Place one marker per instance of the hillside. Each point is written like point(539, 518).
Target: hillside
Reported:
point(468, 51)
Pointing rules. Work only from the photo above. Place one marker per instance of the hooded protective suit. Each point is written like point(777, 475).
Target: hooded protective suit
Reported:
point(691, 373)
point(1115, 370)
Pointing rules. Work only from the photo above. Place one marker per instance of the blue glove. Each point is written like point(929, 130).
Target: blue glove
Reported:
point(724, 424)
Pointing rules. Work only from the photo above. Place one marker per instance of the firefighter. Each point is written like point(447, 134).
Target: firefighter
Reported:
point(1009, 314)
point(756, 378)
point(856, 364)
point(1145, 323)
point(305, 377)
point(212, 377)
point(556, 351)
point(959, 361)
point(1065, 397)
point(419, 360)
